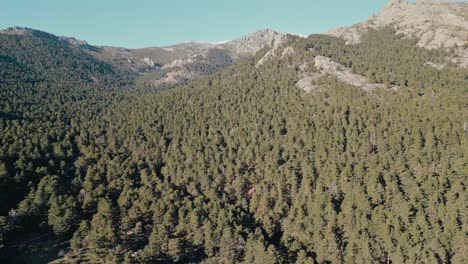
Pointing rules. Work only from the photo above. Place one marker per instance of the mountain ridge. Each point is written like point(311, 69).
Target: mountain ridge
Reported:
point(309, 151)
point(435, 24)
point(174, 64)
point(257, 40)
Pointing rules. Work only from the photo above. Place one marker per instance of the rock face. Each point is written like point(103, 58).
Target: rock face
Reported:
point(16, 31)
point(251, 43)
point(325, 66)
point(435, 24)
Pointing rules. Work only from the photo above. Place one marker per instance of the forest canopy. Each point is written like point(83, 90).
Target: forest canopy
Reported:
point(240, 166)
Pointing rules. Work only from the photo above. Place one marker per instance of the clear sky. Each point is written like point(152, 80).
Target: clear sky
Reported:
point(142, 23)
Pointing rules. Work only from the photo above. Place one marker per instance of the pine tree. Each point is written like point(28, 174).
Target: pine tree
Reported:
point(62, 215)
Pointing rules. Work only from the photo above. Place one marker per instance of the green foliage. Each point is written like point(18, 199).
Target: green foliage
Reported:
point(242, 166)
point(41, 57)
point(386, 57)
point(62, 214)
point(103, 230)
point(4, 228)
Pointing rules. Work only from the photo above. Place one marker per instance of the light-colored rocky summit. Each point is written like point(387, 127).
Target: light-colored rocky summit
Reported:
point(16, 31)
point(251, 43)
point(73, 41)
point(436, 24)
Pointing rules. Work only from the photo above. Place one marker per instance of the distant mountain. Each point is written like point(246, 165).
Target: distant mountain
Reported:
point(325, 149)
point(251, 43)
point(435, 24)
point(186, 61)
point(33, 56)
point(171, 64)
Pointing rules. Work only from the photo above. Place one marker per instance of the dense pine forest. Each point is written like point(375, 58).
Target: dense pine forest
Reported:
point(240, 166)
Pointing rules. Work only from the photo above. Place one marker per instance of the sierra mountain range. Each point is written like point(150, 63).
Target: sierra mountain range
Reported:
point(171, 64)
point(349, 146)
point(435, 24)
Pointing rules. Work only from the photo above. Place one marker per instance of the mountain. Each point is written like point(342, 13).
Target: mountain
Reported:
point(251, 43)
point(168, 65)
point(186, 61)
point(241, 47)
point(243, 166)
point(435, 24)
point(43, 57)
point(310, 150)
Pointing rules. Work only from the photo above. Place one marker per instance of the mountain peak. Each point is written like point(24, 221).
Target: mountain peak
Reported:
point(255, 41)
point(25, 31)
point(395, 2)
point(266, 32)
point(17, 31)
point(435, 24)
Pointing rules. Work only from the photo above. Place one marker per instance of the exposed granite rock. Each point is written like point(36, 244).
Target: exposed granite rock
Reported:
point(308, 82)
point(251, 43)
point(272, 53)
point(435, 65)
point(149, 62)
point(74, 41)
point(326, 66)
point(436, 24)
point(174, 77)
point(287, 51)
point(16, 31)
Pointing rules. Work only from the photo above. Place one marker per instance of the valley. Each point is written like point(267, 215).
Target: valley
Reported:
point(344, 147)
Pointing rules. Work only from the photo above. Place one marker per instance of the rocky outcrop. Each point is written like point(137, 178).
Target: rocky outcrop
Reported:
point(144, 59)
point(251, 43)
point(287, 51)
point(272, 53)
point(174, 77)
point(17, 31)
point(308, 82)
point(177, 63)
point(325, 66)
point(149, 62)
point(175, 57)
point(438, 66)
point(24, 31)
point(182, 56)
point(74, 41)
point(436, 24)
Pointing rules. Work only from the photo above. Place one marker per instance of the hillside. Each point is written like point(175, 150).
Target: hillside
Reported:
point(180, 63)
point(296, 150)
point(245, 167)
point(160, 66)
point(185, 53)
point(435, 24)
point(47, 58)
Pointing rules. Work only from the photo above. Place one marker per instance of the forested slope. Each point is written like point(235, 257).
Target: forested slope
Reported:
point(48, 88)
point(244, 167)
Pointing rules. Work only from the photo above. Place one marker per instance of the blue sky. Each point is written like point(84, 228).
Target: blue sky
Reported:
point(142, 23)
